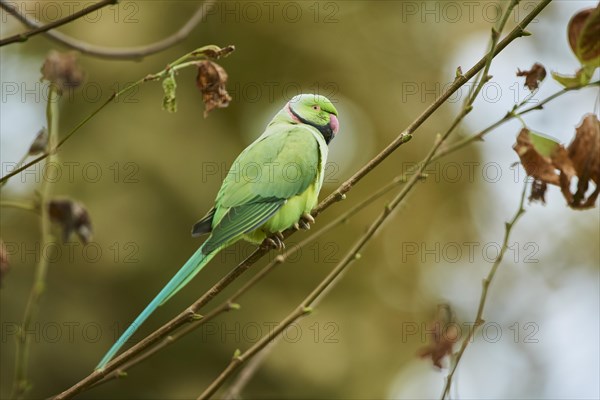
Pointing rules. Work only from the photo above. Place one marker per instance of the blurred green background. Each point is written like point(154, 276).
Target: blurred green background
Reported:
point(146, 176)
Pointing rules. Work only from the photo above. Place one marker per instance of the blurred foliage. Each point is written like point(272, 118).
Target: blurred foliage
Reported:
point(145, 176)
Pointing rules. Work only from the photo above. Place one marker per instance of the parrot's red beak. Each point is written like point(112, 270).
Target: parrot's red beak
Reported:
point(334, 124)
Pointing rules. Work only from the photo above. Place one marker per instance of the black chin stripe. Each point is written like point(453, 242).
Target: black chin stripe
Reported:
point(325, 130)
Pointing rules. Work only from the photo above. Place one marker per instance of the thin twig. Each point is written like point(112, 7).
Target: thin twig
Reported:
point(484, 291)
point(22, 37)
point(496, 33)
point(22, 205)
point(21, 383)
point(235, 390)
point(126, 53)
point(17, 165)
point(203, 52)
point(508, 117)
point(190, 313)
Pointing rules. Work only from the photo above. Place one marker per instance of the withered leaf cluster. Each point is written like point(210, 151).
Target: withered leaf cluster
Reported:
point(211, 80)
point(72, 217)
point(445, 333)
point(549, 162)
point(62, 70)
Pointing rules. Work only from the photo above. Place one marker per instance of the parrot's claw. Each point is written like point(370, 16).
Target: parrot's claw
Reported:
point(303, 225)
point(269, 243)
point(275, 242)
point(308, 218)
point(305, 220)
point(280, 243)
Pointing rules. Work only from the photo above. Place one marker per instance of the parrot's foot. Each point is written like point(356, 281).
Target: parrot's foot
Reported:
point(275, 242)
point(280, 236)
point(304, 222)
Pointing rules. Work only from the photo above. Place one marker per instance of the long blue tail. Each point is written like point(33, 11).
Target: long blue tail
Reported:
point(181, 278)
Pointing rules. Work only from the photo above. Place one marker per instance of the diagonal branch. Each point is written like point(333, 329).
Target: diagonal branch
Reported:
point(125, 53)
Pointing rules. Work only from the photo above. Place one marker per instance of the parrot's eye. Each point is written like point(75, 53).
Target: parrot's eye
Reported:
point(316, 108)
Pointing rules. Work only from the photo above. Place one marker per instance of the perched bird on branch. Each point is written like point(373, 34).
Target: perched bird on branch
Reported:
point(272, 185)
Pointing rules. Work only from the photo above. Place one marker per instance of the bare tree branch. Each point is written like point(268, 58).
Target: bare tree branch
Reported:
point(126, 53)
point(22, 37)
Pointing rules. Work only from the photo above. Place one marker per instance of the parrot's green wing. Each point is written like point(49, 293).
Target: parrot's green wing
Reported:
point(240, 220)
point(281, 164)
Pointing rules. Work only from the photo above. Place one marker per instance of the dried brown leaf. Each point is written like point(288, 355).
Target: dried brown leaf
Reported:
point(536, 164)
point(584, 34)
point(533, 76)
point(63, 70)
point(550, 163)
point(445, 333)
point(72, 217)
point(584, 150)
point(584, 154)
point(212, 80)
point(576, 26)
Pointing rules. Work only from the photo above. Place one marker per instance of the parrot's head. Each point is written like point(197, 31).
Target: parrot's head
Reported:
point(317, 111)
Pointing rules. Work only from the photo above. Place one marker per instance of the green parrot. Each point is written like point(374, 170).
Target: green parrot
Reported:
point(271, 186)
